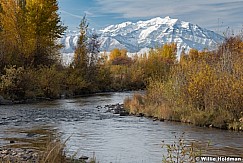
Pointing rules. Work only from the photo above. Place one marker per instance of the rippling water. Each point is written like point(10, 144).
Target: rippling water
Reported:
point(111, 137)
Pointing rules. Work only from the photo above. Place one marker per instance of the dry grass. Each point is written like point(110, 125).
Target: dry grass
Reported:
point(139, 104)
point(142, 105)
point(46, 149)
point(164, 112)
point(54, 153)
point(134, 105)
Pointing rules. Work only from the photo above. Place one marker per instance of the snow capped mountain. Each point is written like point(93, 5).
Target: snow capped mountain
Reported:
point(142, 35)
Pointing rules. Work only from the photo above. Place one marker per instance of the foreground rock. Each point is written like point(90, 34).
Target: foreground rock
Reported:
point(18, 155)
point(9, 155)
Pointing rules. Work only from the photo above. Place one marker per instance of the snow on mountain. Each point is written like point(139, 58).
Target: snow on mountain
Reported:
point(143, 35)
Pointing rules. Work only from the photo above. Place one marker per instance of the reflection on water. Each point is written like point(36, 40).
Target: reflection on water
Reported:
point(111, 137)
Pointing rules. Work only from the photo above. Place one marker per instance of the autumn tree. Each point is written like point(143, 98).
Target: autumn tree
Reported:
point(160, 60)
point(120, 64)
point(30, 29)
point(45, 23)
point(13, 29)
point(119, 57)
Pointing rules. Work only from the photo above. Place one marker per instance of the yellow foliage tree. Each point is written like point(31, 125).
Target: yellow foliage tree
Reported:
point(115, 53)
point(29, 32)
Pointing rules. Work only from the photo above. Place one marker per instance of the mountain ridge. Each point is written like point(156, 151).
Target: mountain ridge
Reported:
point(142, 35)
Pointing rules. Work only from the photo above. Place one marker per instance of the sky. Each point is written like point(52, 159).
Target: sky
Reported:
point(215, 15)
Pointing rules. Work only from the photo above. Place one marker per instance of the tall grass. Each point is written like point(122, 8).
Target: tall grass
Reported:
point(140, 105)
point(54, 153)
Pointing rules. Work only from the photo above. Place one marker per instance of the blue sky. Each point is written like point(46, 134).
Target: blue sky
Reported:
point(215, 15)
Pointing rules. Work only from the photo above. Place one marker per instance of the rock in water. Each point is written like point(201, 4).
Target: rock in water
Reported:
point(12, 141)
point(84, 158)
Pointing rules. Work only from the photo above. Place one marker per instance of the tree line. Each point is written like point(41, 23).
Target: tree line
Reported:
point(30, 61)
point(204, 88)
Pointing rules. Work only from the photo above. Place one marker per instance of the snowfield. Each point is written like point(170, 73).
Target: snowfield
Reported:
point(140, 36)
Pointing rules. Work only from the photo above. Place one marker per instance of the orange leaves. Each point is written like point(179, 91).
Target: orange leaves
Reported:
point(193, 54)
point(165, 53)
point(118, 53)
point(30, 30)
point(168, 52)
point(119, 57)
point(210, 80)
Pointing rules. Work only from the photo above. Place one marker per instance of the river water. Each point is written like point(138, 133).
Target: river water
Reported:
point(109, 137)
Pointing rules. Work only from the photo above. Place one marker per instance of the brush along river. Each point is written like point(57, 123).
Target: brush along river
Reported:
point(90, 129)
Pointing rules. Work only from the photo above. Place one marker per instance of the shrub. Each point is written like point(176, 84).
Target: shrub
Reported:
point(49, 82)
point(17, 83)
point(135, 105)
point(181, 152)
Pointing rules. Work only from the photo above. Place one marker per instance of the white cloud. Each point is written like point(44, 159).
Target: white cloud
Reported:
point(206, 13)
point(71, 14)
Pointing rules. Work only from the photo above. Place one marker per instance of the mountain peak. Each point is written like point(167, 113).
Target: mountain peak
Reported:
point(158, 20)
point(167, 17)
point(137, 36)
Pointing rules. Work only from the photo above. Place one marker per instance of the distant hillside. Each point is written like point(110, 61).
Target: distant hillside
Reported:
point(142, 35)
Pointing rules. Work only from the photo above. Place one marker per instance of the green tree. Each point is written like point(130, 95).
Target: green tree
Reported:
point(81, 57)
point(45, 26)
point(78, 79)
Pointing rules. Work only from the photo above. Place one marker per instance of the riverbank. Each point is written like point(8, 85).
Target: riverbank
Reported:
point(138, 105)
point(27, 101)
point(135, 107)
point(18, 155)
point(55, 154)
point(4, 101)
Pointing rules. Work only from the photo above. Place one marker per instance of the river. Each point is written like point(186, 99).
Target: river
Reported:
point(110, 137)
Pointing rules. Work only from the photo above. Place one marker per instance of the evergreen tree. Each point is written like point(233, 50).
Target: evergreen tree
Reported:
point(81, 58)
point(45, 23)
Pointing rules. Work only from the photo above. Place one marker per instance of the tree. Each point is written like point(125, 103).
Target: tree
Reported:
point(45, 23)
point(93, 47)
point(160, 60)
point(78, 79)
point(119, 57)
point(12, 31)
point(81, 58)
point(29, 32)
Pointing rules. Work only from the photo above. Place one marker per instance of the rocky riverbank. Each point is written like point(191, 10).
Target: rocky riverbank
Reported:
point(115, 109)
point(10, 155)
point(120, 110)
point(17, 155)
